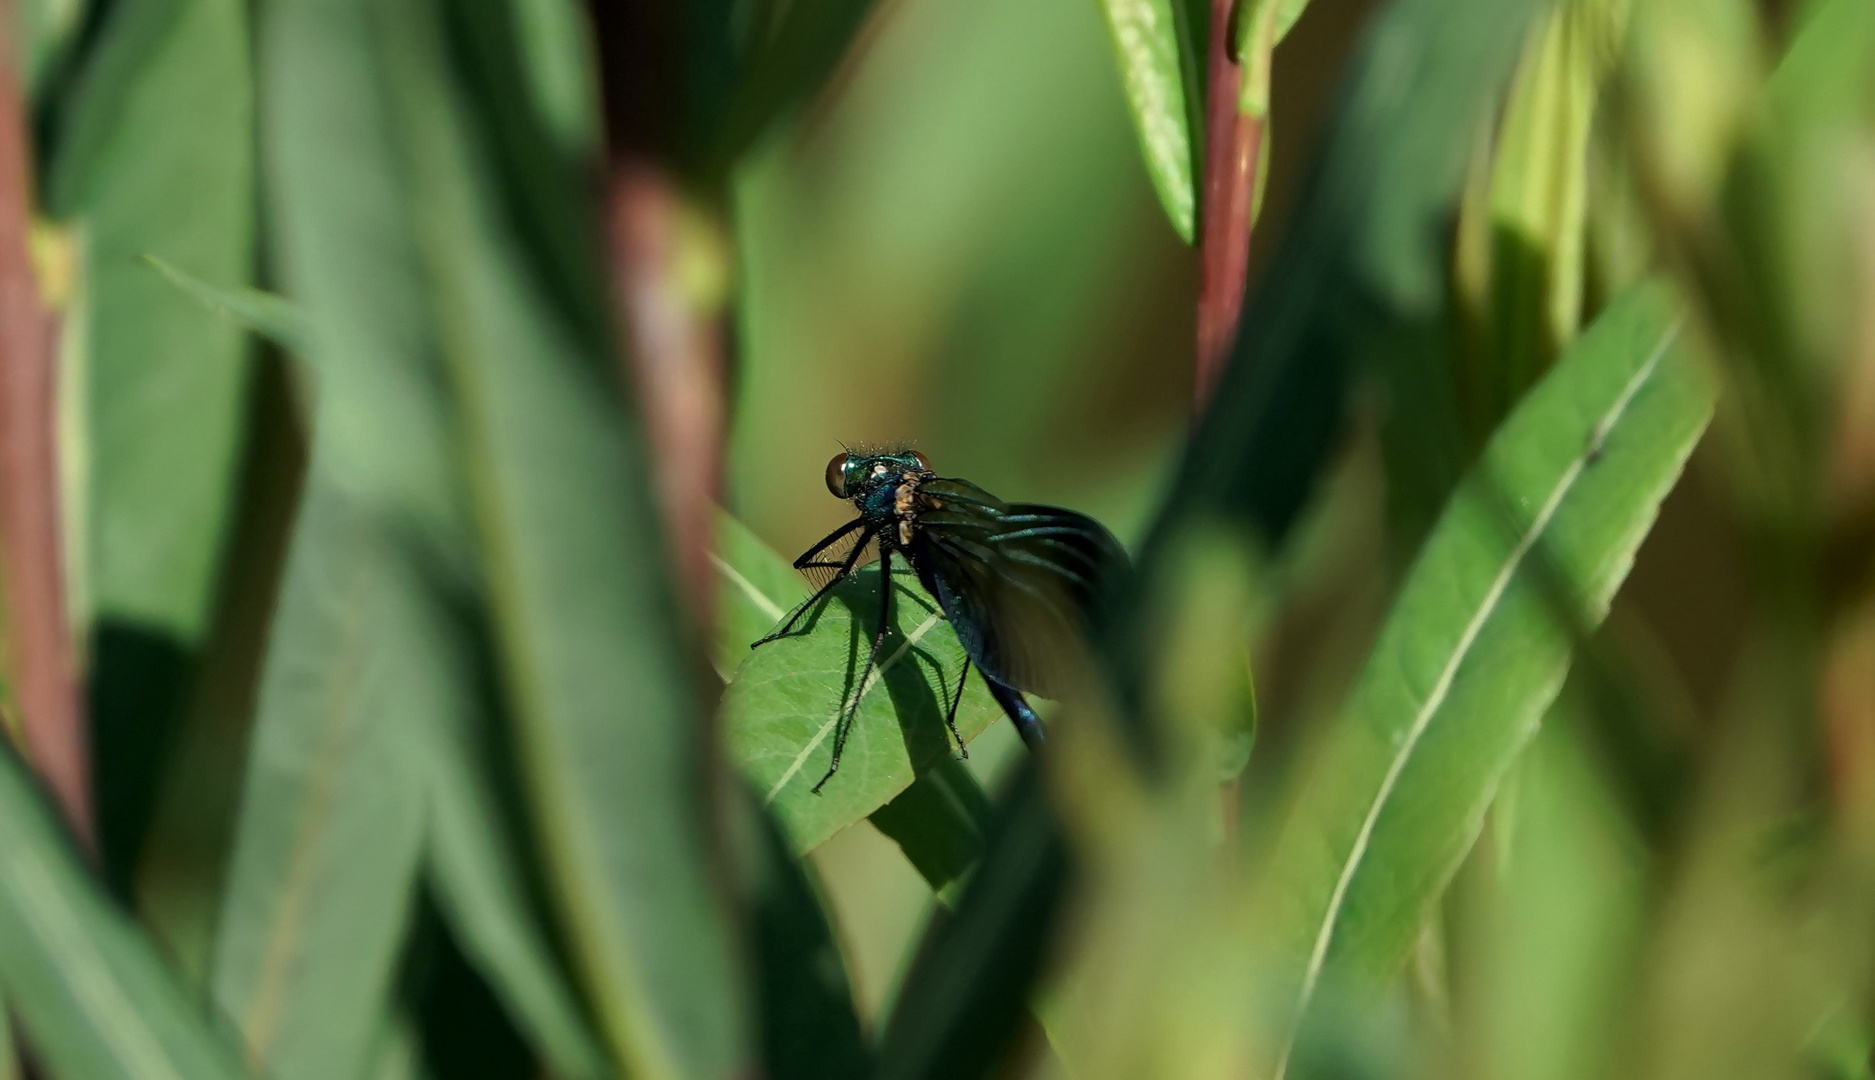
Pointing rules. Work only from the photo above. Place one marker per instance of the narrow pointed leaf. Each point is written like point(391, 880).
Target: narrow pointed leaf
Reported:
point(149, 496)
point(1527, 556)
point(1151, 56)
point(86, 985)
point(160, 490)
point(269, 315)
point(530, 443)
point(327, 848)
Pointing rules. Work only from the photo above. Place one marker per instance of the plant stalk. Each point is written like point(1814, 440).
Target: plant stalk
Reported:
point(1233, 140)
point(44, 661)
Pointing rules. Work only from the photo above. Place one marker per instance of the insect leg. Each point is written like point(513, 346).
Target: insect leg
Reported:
point(950, 711)
point(1028, 725)
point(787, 627)
point(828, 541)
point(850, 710)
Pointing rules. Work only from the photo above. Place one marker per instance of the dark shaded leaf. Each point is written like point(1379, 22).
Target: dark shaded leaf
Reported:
point(965, 999)
point(809, 1028)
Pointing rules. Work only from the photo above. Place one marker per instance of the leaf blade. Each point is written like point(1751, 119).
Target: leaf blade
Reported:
point(1148, 50)
point(782, 709)
point(477, 868)
point(85, 984)
point(327, 849)
point(1473, 651)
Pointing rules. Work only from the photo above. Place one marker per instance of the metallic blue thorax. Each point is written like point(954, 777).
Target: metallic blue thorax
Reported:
point(882, 488)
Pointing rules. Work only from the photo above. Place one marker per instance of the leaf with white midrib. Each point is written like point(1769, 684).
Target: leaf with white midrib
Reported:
point(1528, 553)
point(783, 704)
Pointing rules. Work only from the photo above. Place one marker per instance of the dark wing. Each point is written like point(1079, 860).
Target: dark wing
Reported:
point(1019, 582)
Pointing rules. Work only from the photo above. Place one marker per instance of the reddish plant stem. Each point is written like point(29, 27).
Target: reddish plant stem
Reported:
point(45, 668)
point(1232, 143)
point(675, 360)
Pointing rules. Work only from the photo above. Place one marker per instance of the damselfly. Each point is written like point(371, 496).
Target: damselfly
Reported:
point(1018, 582)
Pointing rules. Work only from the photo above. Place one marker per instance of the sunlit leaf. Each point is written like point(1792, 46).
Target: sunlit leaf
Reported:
point(1553, 914)
point(938, 819)
point(1527, 556)
point(87, 987)
point(1153, 56)
point(756, 588)
point(781, 709)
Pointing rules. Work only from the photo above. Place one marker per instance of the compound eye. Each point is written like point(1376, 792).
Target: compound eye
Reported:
point(836, 476)
point(923, 462)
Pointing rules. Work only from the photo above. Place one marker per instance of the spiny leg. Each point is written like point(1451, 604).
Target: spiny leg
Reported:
point(950, 711)
point(849, 712)
point(840, 574)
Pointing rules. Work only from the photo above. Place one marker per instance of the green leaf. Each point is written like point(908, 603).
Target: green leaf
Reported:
point(966, 998)
point(938, 820)
point(781, 709)
point(48, 30)
point(398, 1054)
point(788, 69)
point(9, 1056)
point(1526, 557)
point(756, 589)
point(1147, 45)
point(160, 490)
point(1555, 913)
point(328, 844)
point(939, 823)
point(270, 315)
point(1260, 26)
point(809, 1028)
point(569, 553)
point(1520, 252)
point(1366, 254)
point(395, 240)
point(87, 987)
point(480, 878)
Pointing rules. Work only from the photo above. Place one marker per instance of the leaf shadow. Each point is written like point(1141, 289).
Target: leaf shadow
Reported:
point(917, 705)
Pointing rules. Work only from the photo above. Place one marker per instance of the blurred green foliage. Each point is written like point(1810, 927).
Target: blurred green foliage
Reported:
point(1494, 699)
